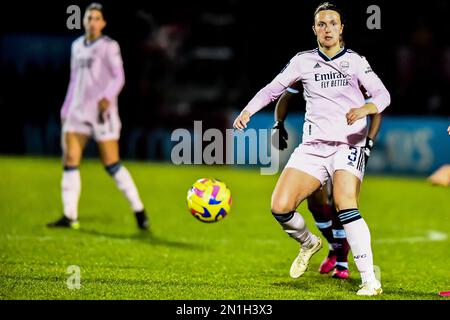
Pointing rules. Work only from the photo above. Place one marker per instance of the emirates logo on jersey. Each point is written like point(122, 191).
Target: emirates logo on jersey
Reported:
point(85, 62)
point(344, 65)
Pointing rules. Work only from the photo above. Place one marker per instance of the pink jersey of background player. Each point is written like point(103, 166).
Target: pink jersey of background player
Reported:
point(331, 89)
point(96, 72)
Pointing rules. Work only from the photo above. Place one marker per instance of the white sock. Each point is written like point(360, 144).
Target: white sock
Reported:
point(70, 192)
point(295, 227)
point(358, 237)
point(125, 183)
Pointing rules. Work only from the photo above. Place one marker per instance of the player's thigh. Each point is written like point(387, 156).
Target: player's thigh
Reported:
point(73, 144)
point(346, 188)
point(293, 186)
point(109, 151)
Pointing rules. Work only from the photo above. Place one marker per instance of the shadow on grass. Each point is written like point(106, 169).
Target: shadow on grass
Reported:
point(332, 289)
point(315, 281)
point(146, 237)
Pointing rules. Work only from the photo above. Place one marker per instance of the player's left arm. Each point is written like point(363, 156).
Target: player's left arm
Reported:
point(380, 97)
point(114, 62)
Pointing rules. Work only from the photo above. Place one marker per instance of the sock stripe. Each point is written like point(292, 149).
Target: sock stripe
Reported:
point(339, 233)
point(346, 217)
point(283, 218)
point(70, 168)
point(113, 168)
point(349, 215)
point(324, 225)
point(356, 217)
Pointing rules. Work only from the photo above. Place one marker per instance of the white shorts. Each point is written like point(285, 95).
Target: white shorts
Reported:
point(322, 159)
point(108, 129)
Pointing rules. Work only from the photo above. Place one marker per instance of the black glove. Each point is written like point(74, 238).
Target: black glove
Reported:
point(279, 136)
point(367, 149)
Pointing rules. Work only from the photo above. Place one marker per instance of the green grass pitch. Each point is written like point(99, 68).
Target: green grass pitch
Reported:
point(245, 256)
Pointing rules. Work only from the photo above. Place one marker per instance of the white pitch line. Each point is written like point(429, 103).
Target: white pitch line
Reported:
point(432, 235)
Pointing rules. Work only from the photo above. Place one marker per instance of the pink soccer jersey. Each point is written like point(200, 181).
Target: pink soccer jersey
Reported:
point(96, 72)
point(331, 88)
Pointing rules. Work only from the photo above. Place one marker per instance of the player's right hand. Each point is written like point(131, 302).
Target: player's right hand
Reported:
point(279, 136)
point(367, 149)
point(448, 130)
point(241, 121)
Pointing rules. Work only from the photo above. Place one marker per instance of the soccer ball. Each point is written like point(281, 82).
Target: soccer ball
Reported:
point(209, 200)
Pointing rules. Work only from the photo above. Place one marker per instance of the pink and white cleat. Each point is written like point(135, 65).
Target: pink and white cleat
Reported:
point(328, 264)
point(341, 273)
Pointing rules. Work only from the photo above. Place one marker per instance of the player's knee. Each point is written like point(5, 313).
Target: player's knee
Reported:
point(282, 204)
point(71, 158)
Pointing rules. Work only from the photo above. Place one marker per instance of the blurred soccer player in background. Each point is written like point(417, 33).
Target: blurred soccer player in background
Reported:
point(90, 110)
point(320, 203)
point(334, 137)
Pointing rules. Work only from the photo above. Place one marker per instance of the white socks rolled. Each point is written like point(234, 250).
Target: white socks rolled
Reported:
point(70, 191)
point(125, 183)
point(358, 237)
point(295, 226)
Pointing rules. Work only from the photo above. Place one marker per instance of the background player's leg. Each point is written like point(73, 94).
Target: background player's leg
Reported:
point(292, 188)
point(345, 193)
point(72, 145)
point(322, 211)
point(109, 155)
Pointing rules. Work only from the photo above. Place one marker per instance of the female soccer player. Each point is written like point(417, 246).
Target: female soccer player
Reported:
point(320, 203)
point(90, 109)
point(334, 136)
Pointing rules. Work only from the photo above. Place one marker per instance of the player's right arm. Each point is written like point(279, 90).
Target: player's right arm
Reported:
point(269, 93)
point(71, 88)
point(375, 124)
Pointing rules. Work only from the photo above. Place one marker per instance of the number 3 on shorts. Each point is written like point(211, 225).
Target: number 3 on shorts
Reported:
point(353, 154)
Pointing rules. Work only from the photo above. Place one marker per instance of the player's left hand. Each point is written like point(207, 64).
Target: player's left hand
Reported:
point(355, 114)
point(448, 130)
point(103, 104)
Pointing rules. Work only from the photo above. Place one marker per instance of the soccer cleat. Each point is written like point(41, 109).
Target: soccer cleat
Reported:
point(372, 288)
point(341, 273)
point(142, 220)
point(328, 264)
point(301, 262)
point(64, 222)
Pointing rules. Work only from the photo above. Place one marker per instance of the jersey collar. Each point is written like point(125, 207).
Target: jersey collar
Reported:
point(86, 44)
point(337, 55)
